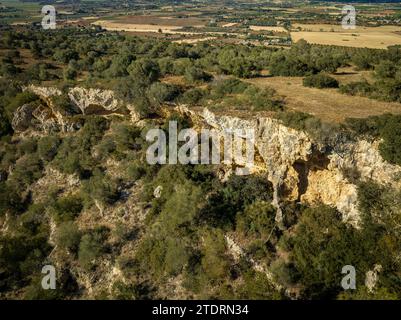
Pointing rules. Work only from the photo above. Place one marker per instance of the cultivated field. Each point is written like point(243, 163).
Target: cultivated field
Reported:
point(267, 28)
point(161, 20)
point(194, 40)
point(150, 23)
point(117, 26)
point(111, 25)
point(361, 37)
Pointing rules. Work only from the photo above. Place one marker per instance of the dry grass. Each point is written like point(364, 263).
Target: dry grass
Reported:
point(117, 26)
point(229, 25)
point(194, 40)
point(176, 80)
point(150, 23)
point(161, 21)
point(338, 28)
point(361, 37)
point(327, 104)
point(267, 28)
point(346, 75)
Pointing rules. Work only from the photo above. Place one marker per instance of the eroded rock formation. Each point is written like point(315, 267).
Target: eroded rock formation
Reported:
point(85, 99)
point(298, 167)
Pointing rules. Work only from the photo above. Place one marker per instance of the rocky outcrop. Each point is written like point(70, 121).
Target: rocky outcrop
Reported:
point(40, 118)
point(298, 169)
point(237, 253)
point(22, 117)
point(86, 98)
point(44, 92)
point(48, 116)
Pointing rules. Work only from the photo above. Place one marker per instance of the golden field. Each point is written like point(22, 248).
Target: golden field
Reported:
point(361, 37)
point(267, 28)
point(327, 104)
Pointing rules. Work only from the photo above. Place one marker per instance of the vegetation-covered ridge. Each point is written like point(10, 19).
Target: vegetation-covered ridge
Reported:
point(105, 215)
point(84, 199)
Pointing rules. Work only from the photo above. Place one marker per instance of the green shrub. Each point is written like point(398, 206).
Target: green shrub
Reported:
point(100, 188)
point(196, 75)
point(136, 171)
point(193, 96)
point(320, 81)
point(159, 93)
point(5, 125)
point(64, 105)
point(256, 286)
point(27, 170)
point(362, 61)
point(180, 65)
point(19, 100)
point(356, 88)
point(91, 247)
point(322, 245)
point(68, 236)
point(126, 137)
point(10, 199)
point(229, 86)
point(47, 147)
point(145, 71)
point(66, 208)
point(215, 262)
point(227, 201)
point(390, 148)
point(162, 256)
point(257, 220)
point(35, 290)
point(20, 257)
point(106, 147)
point(386, 69)
point(92, 131)
point(27, 146)
point(263, 99)
point(33, 221)
point(181, 206)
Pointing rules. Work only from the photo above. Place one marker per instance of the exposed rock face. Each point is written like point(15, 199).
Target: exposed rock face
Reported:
point(22, 117)
point(40, 118)
point(135, 116)
point(295, 164)
point(85, 98)
point(237, 253)
point(48, 116)
point(299, 170)
point(44, 92)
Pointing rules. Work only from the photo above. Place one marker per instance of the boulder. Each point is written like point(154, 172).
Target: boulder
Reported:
point(22, 117)
point(84, 98)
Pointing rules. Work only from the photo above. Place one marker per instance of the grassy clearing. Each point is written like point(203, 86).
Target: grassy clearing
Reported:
point(327, 104)
point(361, 37)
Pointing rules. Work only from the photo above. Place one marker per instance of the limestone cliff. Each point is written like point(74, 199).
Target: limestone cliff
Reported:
point(48, 117)
point(299, 170)
point(298, 167)
point(85, 98)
